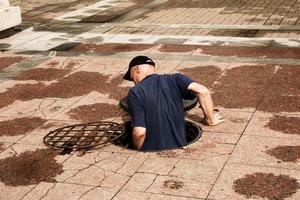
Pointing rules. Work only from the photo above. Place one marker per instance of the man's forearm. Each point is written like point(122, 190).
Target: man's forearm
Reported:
point(138, 137)
point(205, 100)
point(207, 107)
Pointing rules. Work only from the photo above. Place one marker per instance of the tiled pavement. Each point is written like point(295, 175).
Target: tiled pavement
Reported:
point(270, 18)
point(205, 170)
point(254, 83)
point(271, 23)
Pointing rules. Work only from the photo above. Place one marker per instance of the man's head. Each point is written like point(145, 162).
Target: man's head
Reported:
point(139, 67)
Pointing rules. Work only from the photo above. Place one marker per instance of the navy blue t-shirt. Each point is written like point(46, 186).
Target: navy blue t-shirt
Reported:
point(156, 104)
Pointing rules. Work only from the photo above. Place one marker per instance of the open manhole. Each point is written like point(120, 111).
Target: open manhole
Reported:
point(193, 133)
point(84, 136)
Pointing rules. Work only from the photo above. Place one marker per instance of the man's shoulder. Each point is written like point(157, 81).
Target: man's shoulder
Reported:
point(132, 90)
point(135, 90)
point(178, 77)
point(173, 75)
point(168, 76)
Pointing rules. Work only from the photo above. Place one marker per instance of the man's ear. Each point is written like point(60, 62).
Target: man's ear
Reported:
point(138, 69)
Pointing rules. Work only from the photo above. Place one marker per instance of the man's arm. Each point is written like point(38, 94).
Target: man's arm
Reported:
point(137, 113)
point(206, 103)
point(138, 137)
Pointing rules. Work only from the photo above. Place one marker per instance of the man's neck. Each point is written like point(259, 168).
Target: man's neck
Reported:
point(146, 76)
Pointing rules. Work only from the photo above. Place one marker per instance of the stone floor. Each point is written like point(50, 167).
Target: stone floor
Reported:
point(66, 68)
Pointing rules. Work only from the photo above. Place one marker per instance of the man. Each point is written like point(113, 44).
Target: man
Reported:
point(156, 106)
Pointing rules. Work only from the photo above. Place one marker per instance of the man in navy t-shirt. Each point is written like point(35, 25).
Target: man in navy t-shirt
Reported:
point(156, 106)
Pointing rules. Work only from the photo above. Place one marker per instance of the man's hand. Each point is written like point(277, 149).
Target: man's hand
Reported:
point(138, 137)
point(206, 104)
point(217, 119)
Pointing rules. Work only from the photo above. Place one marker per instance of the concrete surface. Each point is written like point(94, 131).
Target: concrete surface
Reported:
point(246, 53)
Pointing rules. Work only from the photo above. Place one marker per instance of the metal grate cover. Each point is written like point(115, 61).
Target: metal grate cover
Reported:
point(84, 136)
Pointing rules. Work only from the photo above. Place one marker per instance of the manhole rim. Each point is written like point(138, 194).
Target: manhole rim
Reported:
point(199, 135)
point(199, 130)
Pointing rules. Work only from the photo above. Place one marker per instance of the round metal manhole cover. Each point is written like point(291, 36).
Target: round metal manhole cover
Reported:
point(84, 136)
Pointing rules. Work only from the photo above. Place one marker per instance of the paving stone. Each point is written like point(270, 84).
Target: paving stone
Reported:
point(72, 63)
point(36, 136)
point(4, 145)
point(112, 148)
point(71, 191)
point(21, 148)
point(38, 191)
point(235, 120)
point(140, 182)
point(251, 152)
point(11, 83)
point(94, 36)
point(171, 49)
point(90, 176)
point(208, 146)
point(193, 64)
point(26, 35)
point(29, 63)
point(206, 170)
point(43, 108)
point(100, 193)
point(132, 164)
point(89, 157)
point(135, 39)
point(73, 16)
point(198, 151)
point(114, 162)
point(70, 170)
point(43, 43)
point(169, 197)
point(114, 180)
point(106, 66)
point(10, 138)
point(8, 61)
point(223, 188)
point(123, 195)
point(89, 99)
point(12, 193)
point(158, 165)
point(180, 187)
point(219, 138)
point(258, 126)
point(166, 66)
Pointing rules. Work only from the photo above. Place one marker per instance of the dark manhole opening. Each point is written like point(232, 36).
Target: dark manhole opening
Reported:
point(84, 136)
point(193, 133)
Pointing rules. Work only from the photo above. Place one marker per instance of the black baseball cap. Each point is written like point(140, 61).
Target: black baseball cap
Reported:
point(138, 60)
